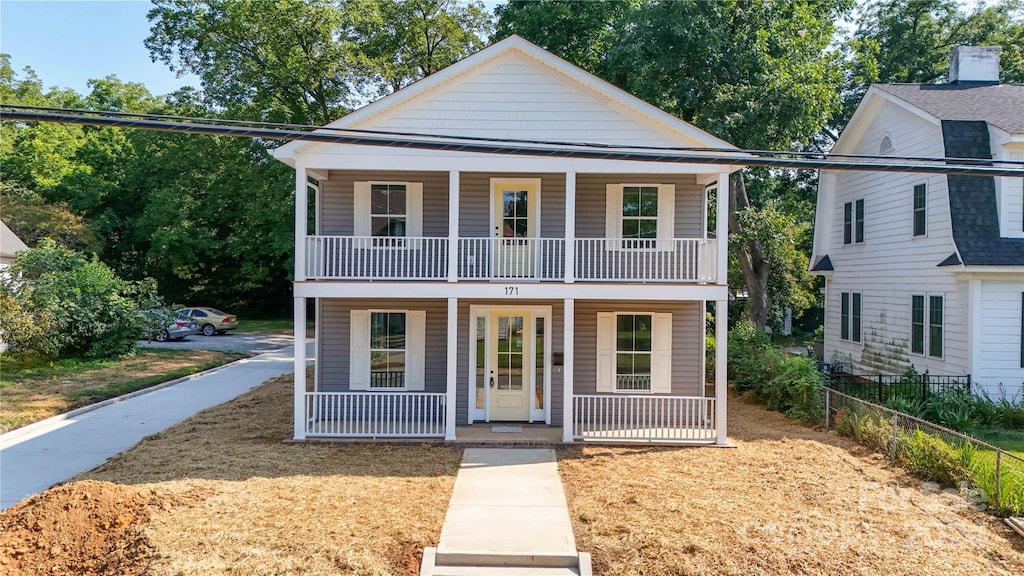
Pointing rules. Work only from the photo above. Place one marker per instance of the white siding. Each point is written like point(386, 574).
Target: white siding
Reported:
point(891, 264)
point(1009, 191)
point(999, 357)
point(518, 97)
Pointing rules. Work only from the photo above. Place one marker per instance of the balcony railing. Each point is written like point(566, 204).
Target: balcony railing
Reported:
point(529, 259)
point(617, 259)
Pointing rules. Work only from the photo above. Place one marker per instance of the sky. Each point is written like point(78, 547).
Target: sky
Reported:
point(68, 43)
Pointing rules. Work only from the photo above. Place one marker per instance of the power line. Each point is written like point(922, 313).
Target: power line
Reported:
point(970, 167)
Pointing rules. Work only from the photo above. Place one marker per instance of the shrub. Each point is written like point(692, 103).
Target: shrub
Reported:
point(951, 408)
point(932, 458)
point(748, 347)
point(795, 389)
point(709, 358)
point(866, 426)
point(60, 303)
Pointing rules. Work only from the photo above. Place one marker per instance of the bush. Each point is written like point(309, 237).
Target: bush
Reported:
point(709, 358)
point(748, 348)
point(952, 409)
point(931, 458)
point(57, 302)
point(795, 390)
point(866, 426)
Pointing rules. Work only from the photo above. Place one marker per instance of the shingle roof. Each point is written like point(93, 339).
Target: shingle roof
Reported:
point(972, 201)
point(823, 265)
point(1001, 105)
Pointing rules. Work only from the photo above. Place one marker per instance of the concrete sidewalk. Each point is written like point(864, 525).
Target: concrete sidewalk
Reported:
point(507, 515)
point(38, 456)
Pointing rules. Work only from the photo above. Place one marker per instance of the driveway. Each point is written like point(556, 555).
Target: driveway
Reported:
point(38, 455)
point(248, 342)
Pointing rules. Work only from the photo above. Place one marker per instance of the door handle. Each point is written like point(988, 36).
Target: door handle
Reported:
point(492, 381)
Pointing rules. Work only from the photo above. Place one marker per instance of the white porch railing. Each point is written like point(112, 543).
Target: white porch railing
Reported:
point(615, 259)
point(375, 258)
point(375, 414)
point(637, 417)
point(511, 258)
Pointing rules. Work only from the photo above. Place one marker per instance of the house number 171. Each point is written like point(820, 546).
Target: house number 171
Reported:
point(511, 290)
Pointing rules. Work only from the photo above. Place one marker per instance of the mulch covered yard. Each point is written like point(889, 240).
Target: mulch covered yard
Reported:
point(222, 494)
point(787, 500)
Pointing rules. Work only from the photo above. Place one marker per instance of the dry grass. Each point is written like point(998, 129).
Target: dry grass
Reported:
point(268, 507)
point(787, 500)
point(38, 391)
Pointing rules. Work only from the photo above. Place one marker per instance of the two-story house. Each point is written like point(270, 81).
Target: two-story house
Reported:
point(458, 287)
point(928, 270)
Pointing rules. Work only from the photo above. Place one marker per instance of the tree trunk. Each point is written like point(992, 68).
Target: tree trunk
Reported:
point(749, 254)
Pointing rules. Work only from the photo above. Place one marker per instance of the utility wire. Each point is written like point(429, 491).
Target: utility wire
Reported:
point(728, 157)
point(603, 146)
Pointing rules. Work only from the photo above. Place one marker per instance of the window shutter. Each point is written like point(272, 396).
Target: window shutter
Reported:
point(613, 216)
point(361, 211)
point(415, 349)
point(359, 351)
point(661, 356)
point(414, 209)
point(666, 216)
point(605, 352)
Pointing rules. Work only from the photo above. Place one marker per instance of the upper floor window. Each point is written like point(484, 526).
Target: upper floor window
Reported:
point(920, 210)
point(634, 352)
point(641, 215)
point(388, 210)
point(853, 222)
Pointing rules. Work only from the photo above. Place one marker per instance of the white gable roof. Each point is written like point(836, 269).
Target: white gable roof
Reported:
point(515, 90)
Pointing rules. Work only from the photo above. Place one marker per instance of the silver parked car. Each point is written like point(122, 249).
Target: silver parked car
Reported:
point(176, 329)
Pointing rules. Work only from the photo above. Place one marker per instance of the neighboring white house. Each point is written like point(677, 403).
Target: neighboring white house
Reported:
point(456, 287)
point(928, 270)
point(10, 245)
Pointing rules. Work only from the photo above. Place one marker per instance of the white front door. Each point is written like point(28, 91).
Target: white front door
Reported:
point(511, 372)
point(514, 216)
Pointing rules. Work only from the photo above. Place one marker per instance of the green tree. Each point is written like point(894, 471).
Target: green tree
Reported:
point(59, 303)
point(761, 74)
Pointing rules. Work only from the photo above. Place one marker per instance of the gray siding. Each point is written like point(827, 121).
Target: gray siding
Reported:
point(333, 340)
point(475, 203)
point(687, 346)
point(338, 199)
point(591, 198)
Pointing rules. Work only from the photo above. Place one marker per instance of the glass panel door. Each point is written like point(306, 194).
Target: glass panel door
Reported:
point(511, 372)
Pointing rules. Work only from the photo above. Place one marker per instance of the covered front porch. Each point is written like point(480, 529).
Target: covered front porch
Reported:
point(515, 374)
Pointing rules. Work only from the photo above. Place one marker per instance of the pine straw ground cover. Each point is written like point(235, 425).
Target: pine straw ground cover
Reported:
point(221, 493)
point(787, 500)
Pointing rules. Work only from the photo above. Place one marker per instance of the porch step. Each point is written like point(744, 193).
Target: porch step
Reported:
point(502, 566)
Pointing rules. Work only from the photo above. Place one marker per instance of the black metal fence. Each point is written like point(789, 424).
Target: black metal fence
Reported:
point(884, 388)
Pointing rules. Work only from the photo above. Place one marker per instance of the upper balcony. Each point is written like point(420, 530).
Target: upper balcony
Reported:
point(678, 260)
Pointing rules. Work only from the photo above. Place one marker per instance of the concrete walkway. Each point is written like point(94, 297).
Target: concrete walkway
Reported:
point(507, 515)
point(39, 455)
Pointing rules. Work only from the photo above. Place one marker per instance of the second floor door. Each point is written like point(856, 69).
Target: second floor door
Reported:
point(515, 215)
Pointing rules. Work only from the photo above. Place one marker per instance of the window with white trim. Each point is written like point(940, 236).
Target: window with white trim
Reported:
point(920, 210)
point(844, 316)
point(850, 316)
point(388, 210)
point(387, 349)
point(634, 352)
point(641, 215)
point(633, 342)
point(927, 319)
point(853, 222)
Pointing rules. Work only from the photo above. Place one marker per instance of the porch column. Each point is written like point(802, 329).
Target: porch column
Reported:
point(301, 224)
point(721, 376)
point(569, 332)
point(300, 370)
point(722, 229)
point(453, 365)
point(453, 226)
point(570, 227)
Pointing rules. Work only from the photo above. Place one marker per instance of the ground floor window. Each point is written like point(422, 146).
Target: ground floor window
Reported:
point(633, 342)
point(927, 313)
point(387, 350)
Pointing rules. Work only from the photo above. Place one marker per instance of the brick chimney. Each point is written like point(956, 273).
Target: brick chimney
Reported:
point(974, 64)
